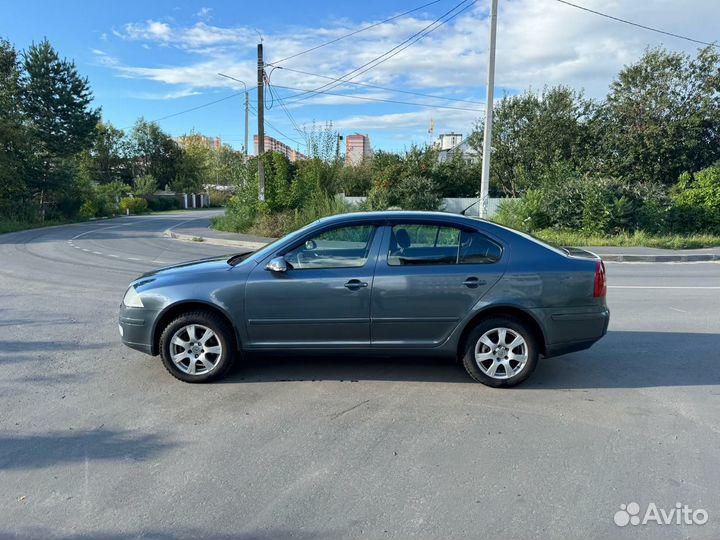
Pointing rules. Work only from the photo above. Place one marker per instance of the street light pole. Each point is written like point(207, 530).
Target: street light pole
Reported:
point(487, 137)
point(247, 105)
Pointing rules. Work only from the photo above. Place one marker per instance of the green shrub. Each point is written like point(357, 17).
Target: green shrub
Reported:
point(218, 198)
point(696, 202)
point(145, 185)
point(133, 205)
point(163, 204)
point(592, 205)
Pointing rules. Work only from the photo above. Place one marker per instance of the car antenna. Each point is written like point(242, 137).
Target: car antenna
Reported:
point(469, 207)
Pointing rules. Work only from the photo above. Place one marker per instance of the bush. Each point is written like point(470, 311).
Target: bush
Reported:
point(696, 202)
point(219, 198)
point(145, 185)
point(133, 205)
point(163, 204)
point(592, 205)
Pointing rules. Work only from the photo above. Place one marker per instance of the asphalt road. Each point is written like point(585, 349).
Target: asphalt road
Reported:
point(98, 441)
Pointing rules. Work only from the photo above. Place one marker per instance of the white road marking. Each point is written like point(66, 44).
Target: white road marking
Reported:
point(133, 259)
point(678, 310)
point(659, 287)
point(97, 252)
point(86, 250)
point(111, 255)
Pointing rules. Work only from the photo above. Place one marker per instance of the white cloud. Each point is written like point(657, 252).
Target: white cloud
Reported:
point(540, 43)
point(166, 95)
point(205, 13)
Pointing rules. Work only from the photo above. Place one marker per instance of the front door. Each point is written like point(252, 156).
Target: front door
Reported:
point(427, 278)
point(323, 299)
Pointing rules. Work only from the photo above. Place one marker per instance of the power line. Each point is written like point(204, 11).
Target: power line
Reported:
point(355, 32)
point(367, 98)
point(271, 126)
point(395, 50)
point(380, 87)
point(631, 23)
point(287, 112)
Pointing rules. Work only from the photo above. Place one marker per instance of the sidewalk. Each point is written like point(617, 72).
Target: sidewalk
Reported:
point(646, 254)
point(199, 231)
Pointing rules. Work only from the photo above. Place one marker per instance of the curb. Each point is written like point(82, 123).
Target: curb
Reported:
point(609, 257)
point(616, 257)
point(214, 241)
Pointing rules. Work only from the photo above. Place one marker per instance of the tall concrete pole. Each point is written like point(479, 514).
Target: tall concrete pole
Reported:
point(261, 121)
point(487, 137)
point(247, 106)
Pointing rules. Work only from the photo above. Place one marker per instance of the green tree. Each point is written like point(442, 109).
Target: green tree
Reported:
point(531, 133)
point(14, 147)
point(156, 153)
point(108, 159)
point(661, 117)
point(57, 101)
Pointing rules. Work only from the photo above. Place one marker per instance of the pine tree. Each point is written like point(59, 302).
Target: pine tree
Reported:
point(13, 140)
point(57, 101)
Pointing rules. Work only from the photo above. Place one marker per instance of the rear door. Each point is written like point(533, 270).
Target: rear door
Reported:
point(427, 278)
point(323, 299)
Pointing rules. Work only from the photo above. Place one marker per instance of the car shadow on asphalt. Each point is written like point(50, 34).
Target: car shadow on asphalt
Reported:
point(171, 533)
point(62, 448)
point(619, 360)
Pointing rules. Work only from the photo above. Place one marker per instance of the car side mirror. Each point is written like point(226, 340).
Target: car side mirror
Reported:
point(278, 264)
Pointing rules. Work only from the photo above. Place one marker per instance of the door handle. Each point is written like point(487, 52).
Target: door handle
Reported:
point(355, 284)
point(473, 282)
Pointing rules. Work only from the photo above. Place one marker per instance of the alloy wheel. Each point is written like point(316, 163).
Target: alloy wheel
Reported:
point(195, 349)
point(501, 353)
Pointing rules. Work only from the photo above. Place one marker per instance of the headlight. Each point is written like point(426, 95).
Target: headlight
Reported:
point(132, 298)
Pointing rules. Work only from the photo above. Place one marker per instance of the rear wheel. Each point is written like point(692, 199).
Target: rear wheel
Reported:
point(197, 347)
point(500, 352)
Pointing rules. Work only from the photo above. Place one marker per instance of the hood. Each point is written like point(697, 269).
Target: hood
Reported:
point(192, 267)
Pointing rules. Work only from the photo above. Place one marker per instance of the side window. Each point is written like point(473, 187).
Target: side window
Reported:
point(476, 248)
point(423, 244)
point(412, 244)
point(343, 247)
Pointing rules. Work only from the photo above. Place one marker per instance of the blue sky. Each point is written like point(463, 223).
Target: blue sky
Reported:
point(156, 58)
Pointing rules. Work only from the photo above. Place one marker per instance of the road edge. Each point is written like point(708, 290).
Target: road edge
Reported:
point(214, 241)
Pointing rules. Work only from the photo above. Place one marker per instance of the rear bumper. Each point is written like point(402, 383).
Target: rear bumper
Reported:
point(135, 327)
point(576, 330)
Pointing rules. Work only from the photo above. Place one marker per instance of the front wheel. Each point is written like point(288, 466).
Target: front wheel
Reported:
point(197, 347)
point(500, 352)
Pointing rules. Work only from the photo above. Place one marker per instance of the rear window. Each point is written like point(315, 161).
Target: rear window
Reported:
point(415, 244)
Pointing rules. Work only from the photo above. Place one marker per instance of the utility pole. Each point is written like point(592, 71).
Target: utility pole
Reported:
point(261, 121)
point(487, 137)
point(247, 105)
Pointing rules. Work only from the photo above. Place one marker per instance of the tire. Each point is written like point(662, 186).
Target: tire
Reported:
point(202, 345)
point(495, 357)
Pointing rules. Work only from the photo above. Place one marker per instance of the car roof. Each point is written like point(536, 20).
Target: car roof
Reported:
point(398, 215)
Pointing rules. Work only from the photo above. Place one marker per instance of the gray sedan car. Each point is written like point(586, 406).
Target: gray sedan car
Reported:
point(380, 282)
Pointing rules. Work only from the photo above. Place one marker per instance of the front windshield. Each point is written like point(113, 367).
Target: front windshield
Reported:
point(269, 248)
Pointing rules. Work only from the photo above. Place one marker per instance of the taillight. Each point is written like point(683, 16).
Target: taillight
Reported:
point(600, 281)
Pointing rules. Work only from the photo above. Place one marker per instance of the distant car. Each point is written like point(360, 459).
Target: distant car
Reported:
point(381, 282)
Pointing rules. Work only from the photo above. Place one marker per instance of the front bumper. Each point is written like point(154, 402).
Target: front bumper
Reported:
point(136, 328)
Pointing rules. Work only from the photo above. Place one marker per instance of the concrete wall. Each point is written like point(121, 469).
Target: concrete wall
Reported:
point(454, 205)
